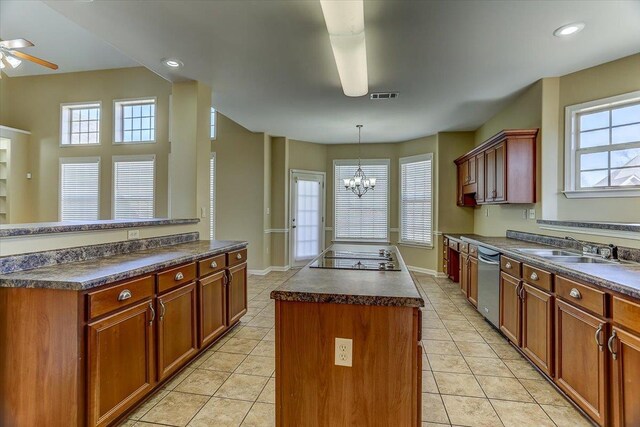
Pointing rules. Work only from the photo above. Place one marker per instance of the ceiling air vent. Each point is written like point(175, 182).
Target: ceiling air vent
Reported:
point(384, 95)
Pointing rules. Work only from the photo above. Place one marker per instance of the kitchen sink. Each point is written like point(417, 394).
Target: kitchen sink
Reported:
point(579, 260)
point(547, 252)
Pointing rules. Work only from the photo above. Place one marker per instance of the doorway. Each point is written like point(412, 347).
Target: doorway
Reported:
point(306, 224)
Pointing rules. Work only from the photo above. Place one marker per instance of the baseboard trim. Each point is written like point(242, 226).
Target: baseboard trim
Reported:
point(269, 270)
point(433, 273)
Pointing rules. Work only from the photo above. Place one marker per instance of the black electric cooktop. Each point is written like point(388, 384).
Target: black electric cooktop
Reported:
point(382, 260)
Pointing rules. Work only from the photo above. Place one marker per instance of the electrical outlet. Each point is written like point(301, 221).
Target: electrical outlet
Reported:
point(203, 213)
point(344, 350)
point(524, 214)
point(486, 212)
point(133, 234)
point(268, 211)
point(532, 214)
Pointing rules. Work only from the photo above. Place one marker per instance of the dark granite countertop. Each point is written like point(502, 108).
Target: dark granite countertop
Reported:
point(618, 277)
point(600, 225)
point(83, 275)
point(361, 287)
point(14, 230)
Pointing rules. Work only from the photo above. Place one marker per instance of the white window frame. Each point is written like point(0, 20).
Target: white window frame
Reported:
point(407, 160)
point(338, 186)
point(71, 105)
point(141, 157)
point(71, 160)
point(572, 168)
point(118, 118)
point(213, 123)
point(212, 197)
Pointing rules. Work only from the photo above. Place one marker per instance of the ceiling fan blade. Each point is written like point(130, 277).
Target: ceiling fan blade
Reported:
point(34, 59)
point(15, 44)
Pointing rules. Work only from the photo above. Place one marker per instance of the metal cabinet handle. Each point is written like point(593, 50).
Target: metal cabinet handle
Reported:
point(576, 294)
point(238, 256)
point(164, 309)
point(518, 287)
point(230, 279)
point(214, 264)
point(534, 276)
point(153, 313)
point(523, 293)
point(124, 295)
point(597, 336)
point(507, 265)
point(179, 276)
point(610, 345)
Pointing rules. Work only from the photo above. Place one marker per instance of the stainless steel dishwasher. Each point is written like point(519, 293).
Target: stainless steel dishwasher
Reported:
point(489, 284)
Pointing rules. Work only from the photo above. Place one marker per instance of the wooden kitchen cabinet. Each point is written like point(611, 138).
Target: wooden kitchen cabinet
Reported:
point(537, 327)
point(237, 292)
point(480, 179)
point(625, 385)
point(510, 308)
point(213, 307)
point(581, 360)
point(120, 362)
point(464, 273)
point(472, 280)
point(177, 329)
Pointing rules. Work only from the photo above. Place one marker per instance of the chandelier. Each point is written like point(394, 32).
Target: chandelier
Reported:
point(359, 184)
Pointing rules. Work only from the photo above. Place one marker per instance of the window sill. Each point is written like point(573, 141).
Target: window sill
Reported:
point(415, 245)
point(608, 193)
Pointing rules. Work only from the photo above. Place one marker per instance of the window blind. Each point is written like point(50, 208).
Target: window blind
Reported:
point(365, 218)
point(133, 187)
point(416, 200)
point(212, 196)
point(79, 189)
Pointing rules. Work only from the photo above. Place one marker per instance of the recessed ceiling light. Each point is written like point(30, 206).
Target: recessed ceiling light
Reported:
point(172, 63)
point(569, 29)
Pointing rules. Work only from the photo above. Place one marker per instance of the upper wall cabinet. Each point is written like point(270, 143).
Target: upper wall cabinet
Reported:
point(500, 170)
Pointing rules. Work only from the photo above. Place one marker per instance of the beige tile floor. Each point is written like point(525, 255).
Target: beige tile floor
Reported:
point(471, 376)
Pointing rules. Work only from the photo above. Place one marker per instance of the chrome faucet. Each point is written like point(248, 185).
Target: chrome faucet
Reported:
point(586, 247)
point(607, 252)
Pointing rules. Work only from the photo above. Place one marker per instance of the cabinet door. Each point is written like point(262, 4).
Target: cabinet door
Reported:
point(501, 173)
point(537, 327)
point(177, 329)
point(490, 174)
point(213, 307)
point(625, 351)
point(237, 292)
point(510, 308)
point(120, 362)
point(581, 360)
point(461, 178)
point(471, 170)
point(472, 281)
point(480, 178)
point(464, 270)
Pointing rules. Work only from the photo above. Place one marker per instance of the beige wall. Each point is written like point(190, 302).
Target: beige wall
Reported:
point(33, 104)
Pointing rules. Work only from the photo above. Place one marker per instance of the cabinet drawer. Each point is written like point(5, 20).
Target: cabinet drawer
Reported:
point(473, 250)
point(511, 266)
point(211, 264)
point(453, 245)
point(176, 276)
point(581, 295)
point(626, 313)
point(236, 257)
point(107, 300)
point(464, 247)
point(537, 277)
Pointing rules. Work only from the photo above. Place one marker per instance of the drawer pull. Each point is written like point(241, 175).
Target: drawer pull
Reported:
point(534, 276)
point(575, 294)
point(124, 295)
point(238, 256)
point(179, 276)
point(507, 265)
point(164, 309)
point(153, 313)
point(598, 333)
point(214, 264)
point(610, 345)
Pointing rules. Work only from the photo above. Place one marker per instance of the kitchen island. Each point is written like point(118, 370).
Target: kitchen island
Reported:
point(348, 341)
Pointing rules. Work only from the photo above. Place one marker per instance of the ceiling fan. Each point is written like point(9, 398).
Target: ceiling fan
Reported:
point(11, 58)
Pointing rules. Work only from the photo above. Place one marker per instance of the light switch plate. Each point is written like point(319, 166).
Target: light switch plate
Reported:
point(532, 214)
point(133, 234)
point(344, 352)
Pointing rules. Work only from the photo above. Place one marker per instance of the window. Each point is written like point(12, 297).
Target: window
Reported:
point(366, 218)
point(213, 123)
point(416, 200)
point(133, 187)
point(212, 196)
point(603, 147)
point(79, 188)
point(135, 121)
point(80, 124)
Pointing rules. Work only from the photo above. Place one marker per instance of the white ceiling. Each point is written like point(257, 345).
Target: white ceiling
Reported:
point(455, 63)
point(57, 39)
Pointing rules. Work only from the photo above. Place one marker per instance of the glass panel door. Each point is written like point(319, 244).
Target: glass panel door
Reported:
point(307, 226)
